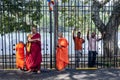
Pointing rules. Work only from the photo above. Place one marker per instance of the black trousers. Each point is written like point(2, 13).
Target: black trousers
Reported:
point(92, 58)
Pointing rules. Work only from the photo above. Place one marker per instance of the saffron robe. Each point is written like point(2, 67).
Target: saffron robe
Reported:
point(20, 55)
point(62, 59)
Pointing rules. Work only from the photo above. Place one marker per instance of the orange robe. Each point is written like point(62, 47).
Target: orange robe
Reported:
point(62, 59)
point(20, 55)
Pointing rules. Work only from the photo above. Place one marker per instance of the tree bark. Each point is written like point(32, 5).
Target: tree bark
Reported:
point(110, 45)
point(110, 40)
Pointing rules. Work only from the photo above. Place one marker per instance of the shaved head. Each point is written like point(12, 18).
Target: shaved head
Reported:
point(60, 34)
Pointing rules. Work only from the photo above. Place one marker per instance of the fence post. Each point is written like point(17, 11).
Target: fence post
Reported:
point(50, 11)
point(55, 28)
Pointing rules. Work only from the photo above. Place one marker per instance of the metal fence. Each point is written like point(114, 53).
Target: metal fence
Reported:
point(17, 16)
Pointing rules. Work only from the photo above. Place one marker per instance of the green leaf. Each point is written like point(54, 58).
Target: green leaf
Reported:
point(63, 1)
point(15, 14)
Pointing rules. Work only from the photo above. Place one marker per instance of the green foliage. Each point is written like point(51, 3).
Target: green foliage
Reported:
point(86, 1)
point(19, 15)
point(63, 1)
point(74, 16)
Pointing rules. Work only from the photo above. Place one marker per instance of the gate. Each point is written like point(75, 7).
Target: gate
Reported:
point(17, 17)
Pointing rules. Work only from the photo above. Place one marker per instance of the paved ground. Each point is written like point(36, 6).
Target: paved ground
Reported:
point(100, 74)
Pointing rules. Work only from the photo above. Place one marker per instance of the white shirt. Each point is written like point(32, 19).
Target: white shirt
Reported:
point(92, 44)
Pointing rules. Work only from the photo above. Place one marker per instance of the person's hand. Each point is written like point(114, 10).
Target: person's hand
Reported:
point(30, 40)
point(59, 45)
point(83, 41)
point(14, 48)
point(74, 29)
point(103, 34)
point(38, 39)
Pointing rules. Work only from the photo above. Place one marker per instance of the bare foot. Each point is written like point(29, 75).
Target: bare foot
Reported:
point(38, 71)
point(29, 71)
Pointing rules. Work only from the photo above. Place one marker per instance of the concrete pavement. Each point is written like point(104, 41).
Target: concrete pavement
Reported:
point(99, 74)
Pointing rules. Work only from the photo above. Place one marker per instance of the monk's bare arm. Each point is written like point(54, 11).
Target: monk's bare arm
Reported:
point(33, 40)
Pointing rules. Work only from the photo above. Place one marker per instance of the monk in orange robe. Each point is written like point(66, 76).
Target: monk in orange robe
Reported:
point(20, 63)
point(62, 59)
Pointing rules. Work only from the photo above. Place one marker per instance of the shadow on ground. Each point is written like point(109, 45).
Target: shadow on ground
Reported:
point(100, 74)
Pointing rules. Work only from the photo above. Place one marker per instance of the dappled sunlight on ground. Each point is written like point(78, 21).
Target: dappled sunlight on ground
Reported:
point(99, 74)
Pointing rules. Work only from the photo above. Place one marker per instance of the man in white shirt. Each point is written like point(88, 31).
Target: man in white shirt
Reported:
point(92, 51)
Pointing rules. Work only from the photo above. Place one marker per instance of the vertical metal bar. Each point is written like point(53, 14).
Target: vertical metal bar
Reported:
point(40, 30)
point(8, 54)
point(82, 25)
point(47, 47)
point(72, 62)
point(46, 57)
point(90, 30)
point(117, 54)
point(101, 57)
point(5, 38)
point(71, 54)
point(72, 9)
point(2, 38)
point(84, 34)
point(13, 45)
point(50, 12)
point(44, 44)
point(55, 27)
point(2, 51)
point(87, 27)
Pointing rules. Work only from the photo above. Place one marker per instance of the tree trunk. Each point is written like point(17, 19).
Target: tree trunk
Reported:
point(110, 43)
point(110, 40)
